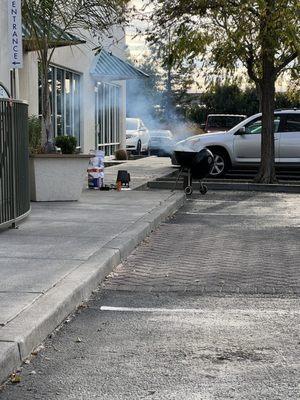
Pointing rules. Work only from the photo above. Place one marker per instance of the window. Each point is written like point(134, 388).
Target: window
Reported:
point(107, 117)
point(64, 91)
point(254, 127)
point(132, 124)
point(223, 121)
point(292, 123)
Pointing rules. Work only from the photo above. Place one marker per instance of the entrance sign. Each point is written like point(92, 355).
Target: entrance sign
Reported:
point(15, 34)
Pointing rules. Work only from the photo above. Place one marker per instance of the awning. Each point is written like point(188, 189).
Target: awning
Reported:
point(108, 67)
point(57, 38)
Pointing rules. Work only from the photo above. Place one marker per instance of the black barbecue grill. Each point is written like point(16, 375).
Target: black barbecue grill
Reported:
point(194, 165)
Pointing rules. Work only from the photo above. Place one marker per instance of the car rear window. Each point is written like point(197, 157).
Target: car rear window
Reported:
point(223, 121)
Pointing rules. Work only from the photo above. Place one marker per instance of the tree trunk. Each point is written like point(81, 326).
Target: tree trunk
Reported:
point(169, 94)
point(46, 106)
point(266, 173)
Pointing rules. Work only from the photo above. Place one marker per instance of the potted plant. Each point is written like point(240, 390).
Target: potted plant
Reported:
point(55, 176)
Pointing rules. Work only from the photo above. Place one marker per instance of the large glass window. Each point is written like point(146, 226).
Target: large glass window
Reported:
point(64, 91)
point(107, 117)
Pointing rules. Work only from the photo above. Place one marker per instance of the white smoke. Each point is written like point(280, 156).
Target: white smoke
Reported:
point(146, 104)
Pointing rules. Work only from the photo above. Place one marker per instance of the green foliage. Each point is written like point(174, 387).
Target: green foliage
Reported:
point(288, 99)
point(231, 99)
point(234, 33)
point(35, 134)
point(67, 144)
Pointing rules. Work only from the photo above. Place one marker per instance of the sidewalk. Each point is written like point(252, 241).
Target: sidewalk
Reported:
point(63, 251)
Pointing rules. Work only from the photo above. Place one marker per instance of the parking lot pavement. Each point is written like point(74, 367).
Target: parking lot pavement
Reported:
point(207, 308)
point(223, 243)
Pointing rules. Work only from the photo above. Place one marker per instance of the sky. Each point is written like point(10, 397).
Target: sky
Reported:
point(136, 44)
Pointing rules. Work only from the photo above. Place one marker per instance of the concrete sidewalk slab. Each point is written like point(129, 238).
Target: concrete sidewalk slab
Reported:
point(13, 304)
point(62, 252)
point(32, 273)
point(141, 171)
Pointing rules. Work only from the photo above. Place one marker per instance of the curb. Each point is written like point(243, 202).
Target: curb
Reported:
point(242, 186)
point(31, 327)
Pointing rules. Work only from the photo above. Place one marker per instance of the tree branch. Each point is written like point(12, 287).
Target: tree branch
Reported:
point(286, 61)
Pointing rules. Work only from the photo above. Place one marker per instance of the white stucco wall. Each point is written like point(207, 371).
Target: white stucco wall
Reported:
point(78, 59)
point(4, 57)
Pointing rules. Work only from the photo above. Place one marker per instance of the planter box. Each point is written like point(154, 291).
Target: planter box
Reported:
point(57, 177)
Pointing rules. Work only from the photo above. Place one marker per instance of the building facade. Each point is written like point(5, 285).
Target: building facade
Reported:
point(87, 94)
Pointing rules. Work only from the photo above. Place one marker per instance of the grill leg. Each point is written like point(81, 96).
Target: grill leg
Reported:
point(189, 178)
point(203, 188)
point(177, 179)
point(188, 188)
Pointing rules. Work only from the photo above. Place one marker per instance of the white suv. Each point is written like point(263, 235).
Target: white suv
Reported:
point(241, 145)
point(137, 135)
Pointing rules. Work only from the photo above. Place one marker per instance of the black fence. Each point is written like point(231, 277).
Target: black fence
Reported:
point(14, 169)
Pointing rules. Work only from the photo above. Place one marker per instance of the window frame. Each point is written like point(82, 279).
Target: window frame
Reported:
point(259, 119)
point(107, 115)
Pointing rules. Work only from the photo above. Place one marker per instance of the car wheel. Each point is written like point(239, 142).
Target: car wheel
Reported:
point(188, 190)
point(220, 165)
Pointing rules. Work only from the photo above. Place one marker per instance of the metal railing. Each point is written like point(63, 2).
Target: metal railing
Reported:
point(14, 168)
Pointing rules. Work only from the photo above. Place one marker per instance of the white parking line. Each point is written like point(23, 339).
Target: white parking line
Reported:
point(151, 310)
point(229, 214)
point(197, 310)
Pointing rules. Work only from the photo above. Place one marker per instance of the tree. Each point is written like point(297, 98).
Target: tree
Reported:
point(175, 68)
point(49, 24)
point(262, 36)
point(157, 100)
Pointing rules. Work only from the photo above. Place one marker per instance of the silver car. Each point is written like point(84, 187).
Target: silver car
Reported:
point(137, 135)
point(241, 145)
point(161, 142)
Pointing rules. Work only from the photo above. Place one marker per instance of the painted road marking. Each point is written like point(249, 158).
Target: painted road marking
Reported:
point(236, 312)
point(151, 310)
point(258, 214)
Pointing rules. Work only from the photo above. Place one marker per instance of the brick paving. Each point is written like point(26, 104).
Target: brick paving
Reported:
point(221, 244)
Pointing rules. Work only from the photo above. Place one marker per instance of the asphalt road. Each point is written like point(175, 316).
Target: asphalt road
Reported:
point(206, 308)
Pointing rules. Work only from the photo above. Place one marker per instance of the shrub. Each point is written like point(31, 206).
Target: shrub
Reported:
point(121, 155)
point(67, 144)
point(35, 134)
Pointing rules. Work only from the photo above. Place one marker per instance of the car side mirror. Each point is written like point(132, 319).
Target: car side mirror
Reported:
point(241, 131)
